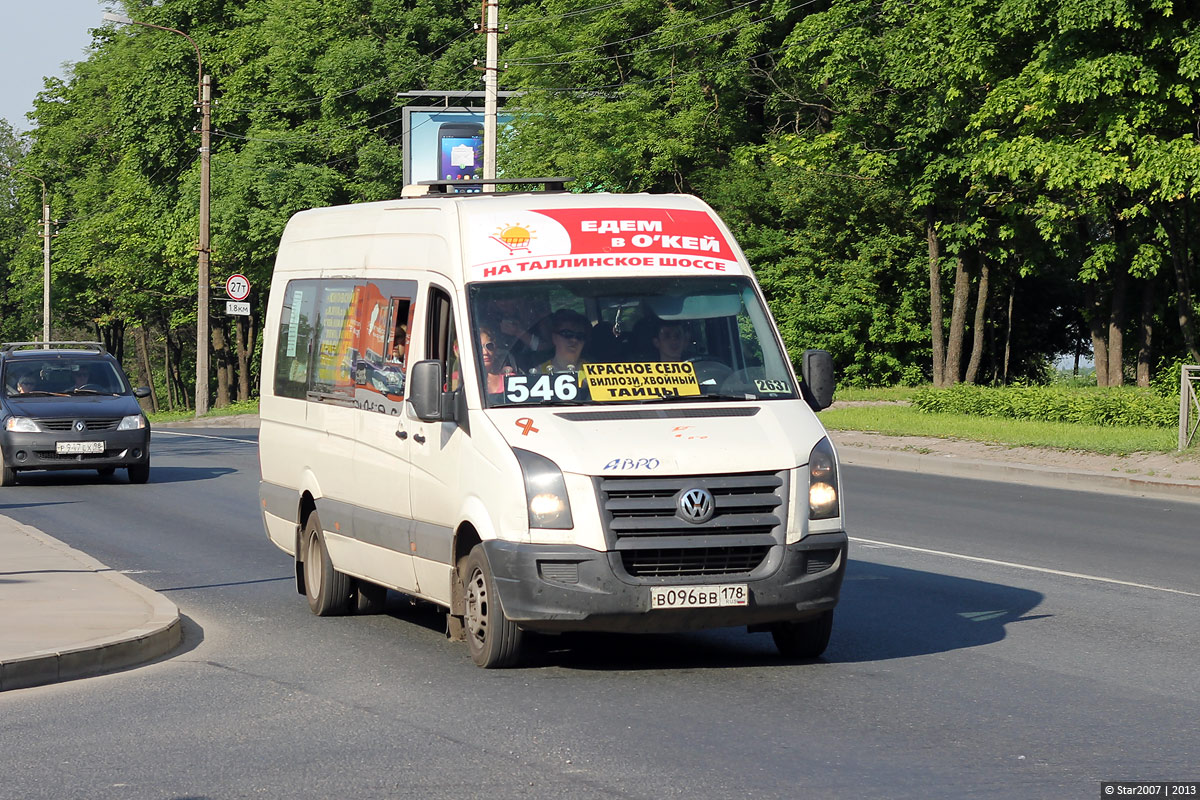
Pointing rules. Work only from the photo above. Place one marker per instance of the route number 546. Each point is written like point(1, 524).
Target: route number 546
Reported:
point(522, 388)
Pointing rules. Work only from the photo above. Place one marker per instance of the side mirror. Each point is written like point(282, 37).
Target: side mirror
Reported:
point(817, 371)
point(425, 382)
point(141, 391)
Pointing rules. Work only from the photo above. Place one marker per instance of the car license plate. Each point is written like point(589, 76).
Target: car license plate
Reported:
point(728, 594)
point(66, 448)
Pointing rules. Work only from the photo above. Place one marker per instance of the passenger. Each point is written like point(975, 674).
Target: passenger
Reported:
point(670, 341)
point(569, 332)
point(27, 384)
point(495, 366)
point(396, 354)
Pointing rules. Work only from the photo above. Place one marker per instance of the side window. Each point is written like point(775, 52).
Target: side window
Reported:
point(336, 345)
point(382, 312)
point(294, 348)
point(441, 342)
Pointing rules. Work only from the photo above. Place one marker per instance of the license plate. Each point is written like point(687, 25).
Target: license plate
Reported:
point(65, 448)
point(710, 596)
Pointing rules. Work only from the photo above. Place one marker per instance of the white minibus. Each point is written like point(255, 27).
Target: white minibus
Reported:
point(545, 411)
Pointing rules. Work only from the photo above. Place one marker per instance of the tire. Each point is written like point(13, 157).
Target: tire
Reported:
point(369, 598)
point(8, 476)
point(493, 639)
point(139, 473)
point(328, 591)
point(805, 640)
point(107, 472)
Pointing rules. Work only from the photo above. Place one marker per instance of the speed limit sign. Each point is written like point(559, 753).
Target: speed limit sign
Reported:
point(237, 287)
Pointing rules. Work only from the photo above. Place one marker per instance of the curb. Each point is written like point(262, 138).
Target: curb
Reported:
point(159, 635)
point(1015, 472)
point(235, 421)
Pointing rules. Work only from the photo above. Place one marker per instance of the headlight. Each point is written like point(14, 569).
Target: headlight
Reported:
point(21, 425)
point(132, 423)
point(823, 482)
point(545, 492)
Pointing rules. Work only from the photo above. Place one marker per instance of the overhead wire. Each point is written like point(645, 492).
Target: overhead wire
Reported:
point(708, 68)
point(713, 35)
point(311, 101)
point(656, 32)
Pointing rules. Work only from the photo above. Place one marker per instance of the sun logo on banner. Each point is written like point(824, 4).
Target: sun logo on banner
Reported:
point(514, 237)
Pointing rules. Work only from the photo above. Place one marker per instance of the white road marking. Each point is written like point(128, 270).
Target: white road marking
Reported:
point(200, 436)
point(1028, 567)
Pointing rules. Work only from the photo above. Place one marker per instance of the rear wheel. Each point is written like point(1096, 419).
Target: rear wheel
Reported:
point(329, 591)
point(803, 640)
point(369, 598)
point(8, 476)
point(493, 639)
point(139, 473)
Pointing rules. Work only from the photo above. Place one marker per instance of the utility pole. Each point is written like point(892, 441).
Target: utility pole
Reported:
point(45, 266)
point(202, 278)
point(492, 29)
point(204, 102)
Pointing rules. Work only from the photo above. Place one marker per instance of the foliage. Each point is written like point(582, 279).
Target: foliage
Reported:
point(1053, 141)
point(1127, 406)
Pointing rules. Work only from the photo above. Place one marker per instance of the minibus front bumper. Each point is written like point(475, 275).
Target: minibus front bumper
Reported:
point(559, 588)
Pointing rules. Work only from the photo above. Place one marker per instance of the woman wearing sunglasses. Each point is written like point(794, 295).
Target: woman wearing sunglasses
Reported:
point(494, 360)
point(569, 333)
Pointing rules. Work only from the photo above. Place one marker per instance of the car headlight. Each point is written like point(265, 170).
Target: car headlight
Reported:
point(823, 482)
point(21, 425)
point(545, 492)
point(132, 423)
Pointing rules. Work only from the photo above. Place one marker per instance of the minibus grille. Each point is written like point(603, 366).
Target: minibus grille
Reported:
point(643, 522)
point(683, 561)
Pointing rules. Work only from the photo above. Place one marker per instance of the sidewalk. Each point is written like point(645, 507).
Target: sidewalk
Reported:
point(64, 615)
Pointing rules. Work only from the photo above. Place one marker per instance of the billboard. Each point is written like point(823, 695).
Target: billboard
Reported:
point(444, 143)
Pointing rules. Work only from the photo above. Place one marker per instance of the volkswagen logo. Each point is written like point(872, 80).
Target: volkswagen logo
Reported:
point(79, 425)
point(696, 505)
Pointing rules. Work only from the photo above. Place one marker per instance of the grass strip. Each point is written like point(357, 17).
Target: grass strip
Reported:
point(901, 420)
point(231, 410)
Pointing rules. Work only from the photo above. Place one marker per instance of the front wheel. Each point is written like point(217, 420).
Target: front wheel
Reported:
point(329, 591)
point(803, 640)
point(493, 639)
point(8, 476)
point(139, 473)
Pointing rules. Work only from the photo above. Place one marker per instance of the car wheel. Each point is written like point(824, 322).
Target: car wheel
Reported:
point(328, 591)
point(139, 473)
point(8, 476)
point(106, 472)
point(369, 598)
point(803, 640)
point(493, 639)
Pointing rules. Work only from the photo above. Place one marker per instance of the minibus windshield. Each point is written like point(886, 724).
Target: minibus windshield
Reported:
point(625, 340)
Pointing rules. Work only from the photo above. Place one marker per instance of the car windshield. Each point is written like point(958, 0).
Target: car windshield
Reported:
point(625, 340)
point(61, 376)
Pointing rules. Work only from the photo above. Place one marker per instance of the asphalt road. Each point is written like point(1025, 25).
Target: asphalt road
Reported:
point(949, 674)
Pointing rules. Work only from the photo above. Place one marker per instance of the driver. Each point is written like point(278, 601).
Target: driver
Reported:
point(670, 341)
point(569, 332)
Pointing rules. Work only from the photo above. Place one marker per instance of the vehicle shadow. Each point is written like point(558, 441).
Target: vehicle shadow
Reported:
point(884, 613)
point(88, 477)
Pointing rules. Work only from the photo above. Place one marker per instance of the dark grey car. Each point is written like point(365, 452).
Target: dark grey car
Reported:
point(69, 405)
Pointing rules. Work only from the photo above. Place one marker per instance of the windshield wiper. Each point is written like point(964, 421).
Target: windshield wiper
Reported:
point(38, 393)
point(92, 391)
point(690, 398)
